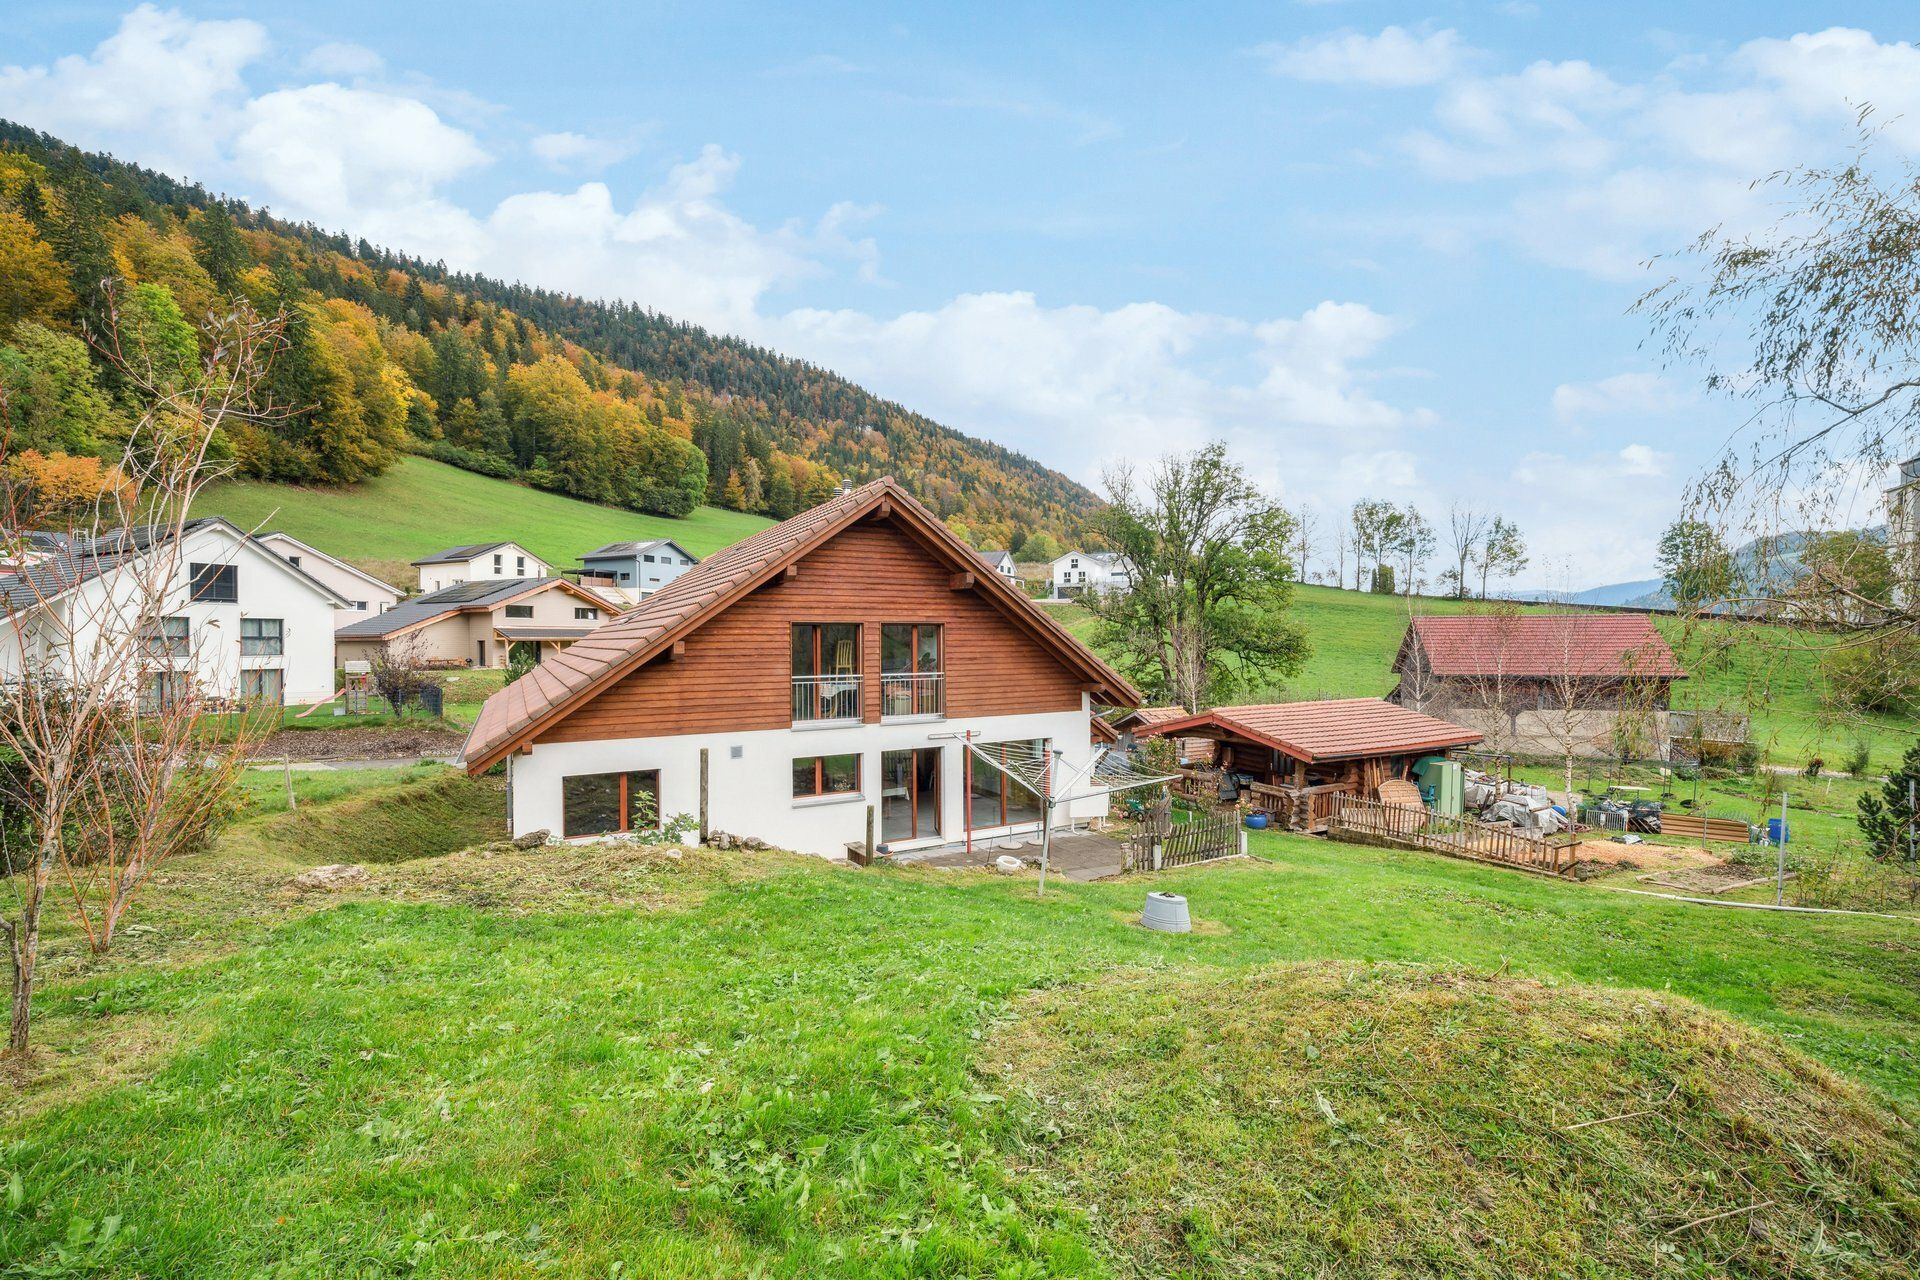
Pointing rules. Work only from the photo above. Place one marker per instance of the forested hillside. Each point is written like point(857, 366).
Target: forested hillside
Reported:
point(386, 355)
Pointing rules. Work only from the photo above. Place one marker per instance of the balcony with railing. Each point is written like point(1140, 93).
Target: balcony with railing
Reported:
point(827, 699)
point(906, 694)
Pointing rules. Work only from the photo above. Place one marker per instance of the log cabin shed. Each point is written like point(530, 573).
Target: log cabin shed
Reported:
point(1295, 757)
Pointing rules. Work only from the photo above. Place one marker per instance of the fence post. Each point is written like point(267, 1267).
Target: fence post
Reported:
point(1157, 850)
point(705, 830)
point(1243, 842)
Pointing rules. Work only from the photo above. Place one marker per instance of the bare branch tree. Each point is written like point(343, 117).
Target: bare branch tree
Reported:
point(80, 617)
point(1466, 530)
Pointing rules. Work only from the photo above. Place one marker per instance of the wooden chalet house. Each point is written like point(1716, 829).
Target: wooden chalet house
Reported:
point(830, 663)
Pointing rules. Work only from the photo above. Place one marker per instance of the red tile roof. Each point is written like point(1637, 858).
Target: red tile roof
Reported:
point(1545, 644)
point(1340, 729)
point(1151, 715)
point(574, 674)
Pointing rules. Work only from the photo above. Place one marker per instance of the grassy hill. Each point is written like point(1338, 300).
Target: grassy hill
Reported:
point(420, 506)
point(1770, 672)
point(1363, 1063)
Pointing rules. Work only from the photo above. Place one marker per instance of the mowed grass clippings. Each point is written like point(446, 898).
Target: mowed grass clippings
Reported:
point(1384, 1120)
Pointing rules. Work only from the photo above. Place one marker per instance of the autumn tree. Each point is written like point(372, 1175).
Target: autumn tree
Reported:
point(32, 285)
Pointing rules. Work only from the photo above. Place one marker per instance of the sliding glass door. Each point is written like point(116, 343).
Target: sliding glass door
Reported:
point(910, 794)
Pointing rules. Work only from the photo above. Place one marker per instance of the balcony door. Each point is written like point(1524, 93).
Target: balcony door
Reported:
point(910, 794)
point(826, 671)
point(911, 678)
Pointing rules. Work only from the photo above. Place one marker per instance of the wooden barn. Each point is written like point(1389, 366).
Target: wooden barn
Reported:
point(1292, 758)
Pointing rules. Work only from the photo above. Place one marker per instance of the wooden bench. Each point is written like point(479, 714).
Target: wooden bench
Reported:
point(1699, 826)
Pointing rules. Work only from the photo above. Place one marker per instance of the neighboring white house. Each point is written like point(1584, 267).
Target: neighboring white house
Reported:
point(826, 673)
point(628, 572)
point(240, 622)
point(365, 594)
point(1094, 571)
point(1903, 534)
point(1001, 562)
point(478, 561)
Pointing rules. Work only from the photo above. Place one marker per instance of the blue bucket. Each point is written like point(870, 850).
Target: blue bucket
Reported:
point(1257, 821)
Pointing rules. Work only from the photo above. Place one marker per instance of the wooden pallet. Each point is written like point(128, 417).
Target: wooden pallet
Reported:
point(1699, 826)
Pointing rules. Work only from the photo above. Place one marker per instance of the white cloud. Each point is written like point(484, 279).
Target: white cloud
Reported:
point(161, 80)
point(1642, 460)
point(1609, 172)
point(1082, 386)
point(1636, 393)
point(577, 151)
point(356, 158)
point(343, 60)
point(1396, 58)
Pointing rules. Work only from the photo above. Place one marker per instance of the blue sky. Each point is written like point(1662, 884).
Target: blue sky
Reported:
point(1383, 250)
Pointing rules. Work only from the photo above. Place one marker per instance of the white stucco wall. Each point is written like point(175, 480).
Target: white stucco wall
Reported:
point(753, 795)
point(268, 588)
point(378, 598)
point(515, 562)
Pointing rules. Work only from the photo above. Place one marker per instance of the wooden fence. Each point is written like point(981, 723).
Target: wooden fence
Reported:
point(1181, 844)
point(1406, 827)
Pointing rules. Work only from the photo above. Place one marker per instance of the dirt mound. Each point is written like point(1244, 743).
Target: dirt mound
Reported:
point(1330, 1120)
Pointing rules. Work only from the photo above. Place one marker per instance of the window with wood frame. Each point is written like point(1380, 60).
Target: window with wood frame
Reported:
point(911, 678)
point(818, 776)
point(826, 671)
point(603, 804)
point(995, 799)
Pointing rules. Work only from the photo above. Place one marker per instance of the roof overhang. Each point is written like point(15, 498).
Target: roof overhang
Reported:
point(1192, 727)
point(887, 501)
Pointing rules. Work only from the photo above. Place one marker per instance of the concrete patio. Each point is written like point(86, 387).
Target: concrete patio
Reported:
point(1086, 855)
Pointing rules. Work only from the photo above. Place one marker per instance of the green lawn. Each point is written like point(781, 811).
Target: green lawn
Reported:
point(1769, 672)
point(420, 506)
point(615, 1062)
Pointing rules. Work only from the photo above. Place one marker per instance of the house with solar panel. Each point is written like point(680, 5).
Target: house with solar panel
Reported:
point(479, 562)
point(480, 623)
point(237, 623)
point(1597, 684)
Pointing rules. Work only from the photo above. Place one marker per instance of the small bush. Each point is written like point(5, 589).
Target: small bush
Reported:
point(1855, 763)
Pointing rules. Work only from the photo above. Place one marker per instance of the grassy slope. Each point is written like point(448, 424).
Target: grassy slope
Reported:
point(1771, 671)
point(421, 505)
point(699, 1066)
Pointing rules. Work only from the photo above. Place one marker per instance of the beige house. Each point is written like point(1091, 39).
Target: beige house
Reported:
point(479, 624)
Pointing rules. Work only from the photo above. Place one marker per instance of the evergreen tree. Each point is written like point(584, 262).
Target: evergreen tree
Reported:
point(1888, 820)
point(219, 247)
point(79, 240)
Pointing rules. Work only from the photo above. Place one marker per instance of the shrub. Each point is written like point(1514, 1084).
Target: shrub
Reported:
point(1881, 675)
point(1855, 763)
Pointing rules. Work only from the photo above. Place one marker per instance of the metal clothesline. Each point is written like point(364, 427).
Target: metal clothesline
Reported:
point(1036, 771)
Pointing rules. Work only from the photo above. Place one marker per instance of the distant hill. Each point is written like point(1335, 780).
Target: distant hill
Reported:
point(388, 355)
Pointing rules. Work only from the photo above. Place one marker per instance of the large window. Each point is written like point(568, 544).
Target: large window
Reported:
point(601, 804)
point(215, 583)
point(261, 638)
point(910, 677)
point(266, 687)
point(585, 613)
point(826, 671)
point(996, 800)
point(164, 689)
point(826, 776)
point(910, 794)
point(168, 638)
point(519, 611)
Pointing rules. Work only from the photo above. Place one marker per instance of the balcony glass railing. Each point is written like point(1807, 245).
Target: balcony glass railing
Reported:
point(919, 693)
point(818, 698)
